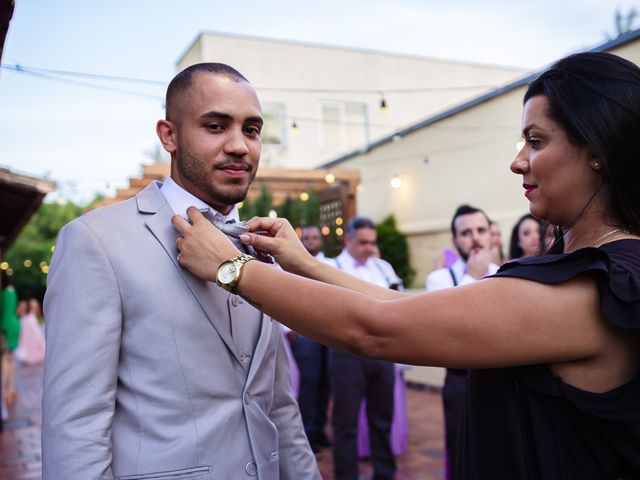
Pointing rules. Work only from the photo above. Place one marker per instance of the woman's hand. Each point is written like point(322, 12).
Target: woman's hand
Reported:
point(281, 241)
point(202, 246)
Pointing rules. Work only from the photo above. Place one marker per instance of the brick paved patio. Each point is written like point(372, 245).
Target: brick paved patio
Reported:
point(20, 457)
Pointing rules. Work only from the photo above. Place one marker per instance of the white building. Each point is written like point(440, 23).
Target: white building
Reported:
point(320, 102)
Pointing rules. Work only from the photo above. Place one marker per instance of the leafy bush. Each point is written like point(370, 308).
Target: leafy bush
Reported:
point(395, 249)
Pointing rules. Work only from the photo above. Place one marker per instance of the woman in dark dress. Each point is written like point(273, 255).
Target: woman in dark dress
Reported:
point(553, 341)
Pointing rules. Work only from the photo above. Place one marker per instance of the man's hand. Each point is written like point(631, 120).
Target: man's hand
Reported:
point(202, 246)
point(478, 263)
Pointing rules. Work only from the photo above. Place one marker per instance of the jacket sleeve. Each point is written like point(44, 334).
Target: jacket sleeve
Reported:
point(297, 461)
point(83, 316)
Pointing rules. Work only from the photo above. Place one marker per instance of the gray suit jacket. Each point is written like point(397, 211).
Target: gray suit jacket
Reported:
point(145, 376)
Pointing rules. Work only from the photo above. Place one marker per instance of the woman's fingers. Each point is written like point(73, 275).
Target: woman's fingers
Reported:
point(261, 242)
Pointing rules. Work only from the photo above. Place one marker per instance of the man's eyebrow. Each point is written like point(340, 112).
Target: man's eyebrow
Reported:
point(220, 115)
point(256, 119)
point(225, 116)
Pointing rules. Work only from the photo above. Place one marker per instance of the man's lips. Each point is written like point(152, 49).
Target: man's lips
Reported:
point(528, 189)
point(234, 170)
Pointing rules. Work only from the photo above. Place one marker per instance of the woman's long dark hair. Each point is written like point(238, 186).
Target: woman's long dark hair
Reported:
point(515, 250)
point(595, 97)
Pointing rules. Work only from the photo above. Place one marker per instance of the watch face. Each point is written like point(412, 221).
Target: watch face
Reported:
point(227, 273)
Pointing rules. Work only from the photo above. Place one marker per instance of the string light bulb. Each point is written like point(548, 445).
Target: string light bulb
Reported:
point(383, 105)
point(396, 181)
point(304, 196)
point(329, 178)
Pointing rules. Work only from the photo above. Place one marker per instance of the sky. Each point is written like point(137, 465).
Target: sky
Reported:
point(92, 140)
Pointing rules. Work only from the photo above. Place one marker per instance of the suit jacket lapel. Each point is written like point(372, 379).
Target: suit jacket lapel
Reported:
point(211, 298)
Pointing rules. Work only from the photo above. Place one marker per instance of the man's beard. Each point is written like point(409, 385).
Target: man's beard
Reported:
point(195, 171)
point(465, 256)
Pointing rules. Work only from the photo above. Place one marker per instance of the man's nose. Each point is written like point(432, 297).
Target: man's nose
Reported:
point(236, 143)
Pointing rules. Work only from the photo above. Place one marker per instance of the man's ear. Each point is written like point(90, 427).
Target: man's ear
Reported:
point(168, 135)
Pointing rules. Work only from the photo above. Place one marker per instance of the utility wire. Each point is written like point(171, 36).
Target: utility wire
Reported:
point(377, 91)
point(32, 73)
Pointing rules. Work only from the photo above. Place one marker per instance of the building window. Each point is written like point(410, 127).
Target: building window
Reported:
point(273, 130)
point(344, 125)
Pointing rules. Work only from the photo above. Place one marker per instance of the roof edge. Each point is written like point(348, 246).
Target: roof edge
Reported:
point(616, 42)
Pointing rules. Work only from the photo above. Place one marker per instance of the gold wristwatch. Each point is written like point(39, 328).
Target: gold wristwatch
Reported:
point(229, 272)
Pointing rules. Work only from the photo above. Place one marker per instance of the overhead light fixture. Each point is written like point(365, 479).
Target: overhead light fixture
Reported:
point(383, 105)
point(396, 181)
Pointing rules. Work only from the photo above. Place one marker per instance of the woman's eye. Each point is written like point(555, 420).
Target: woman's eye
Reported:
point(534, 142)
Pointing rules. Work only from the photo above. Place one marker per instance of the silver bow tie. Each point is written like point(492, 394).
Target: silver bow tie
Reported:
point(233, 230)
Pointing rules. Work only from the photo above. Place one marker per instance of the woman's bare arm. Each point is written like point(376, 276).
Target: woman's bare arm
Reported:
point(491, 323)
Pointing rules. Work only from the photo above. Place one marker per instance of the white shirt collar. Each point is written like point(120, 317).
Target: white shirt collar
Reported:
point(179, 200)
point(352, 262)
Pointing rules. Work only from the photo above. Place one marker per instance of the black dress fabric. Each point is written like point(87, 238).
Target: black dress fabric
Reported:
point(524, 423)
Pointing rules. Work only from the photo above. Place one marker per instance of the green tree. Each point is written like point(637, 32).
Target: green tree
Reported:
point(290, 210)
point(394, 248)
point(310, 211)
point(624, 22)
point(263, 204)
point(247, 211)
point(31, 252)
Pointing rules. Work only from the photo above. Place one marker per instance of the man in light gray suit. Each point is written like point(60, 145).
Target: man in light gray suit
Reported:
point(151, 373)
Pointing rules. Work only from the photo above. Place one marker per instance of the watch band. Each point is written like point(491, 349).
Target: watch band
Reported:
point(239, 261)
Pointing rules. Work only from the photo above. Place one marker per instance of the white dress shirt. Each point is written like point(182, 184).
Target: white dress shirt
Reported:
point(374, 270)
point(179, 200)
point(441, 278)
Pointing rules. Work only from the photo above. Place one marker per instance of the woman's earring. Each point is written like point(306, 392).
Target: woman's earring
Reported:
point(596, 165)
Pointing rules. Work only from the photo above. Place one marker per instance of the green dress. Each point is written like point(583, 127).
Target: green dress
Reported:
point(10, 325)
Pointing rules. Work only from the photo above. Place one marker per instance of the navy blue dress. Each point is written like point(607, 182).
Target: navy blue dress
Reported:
point(524, 423)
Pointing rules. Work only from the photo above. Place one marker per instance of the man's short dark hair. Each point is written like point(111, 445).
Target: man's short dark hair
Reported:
point(183, 81)
point(356, 223)
point(466, 210)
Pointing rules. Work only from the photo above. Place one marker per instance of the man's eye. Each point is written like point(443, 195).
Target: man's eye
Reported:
point(254, 131)
point(215, 126)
